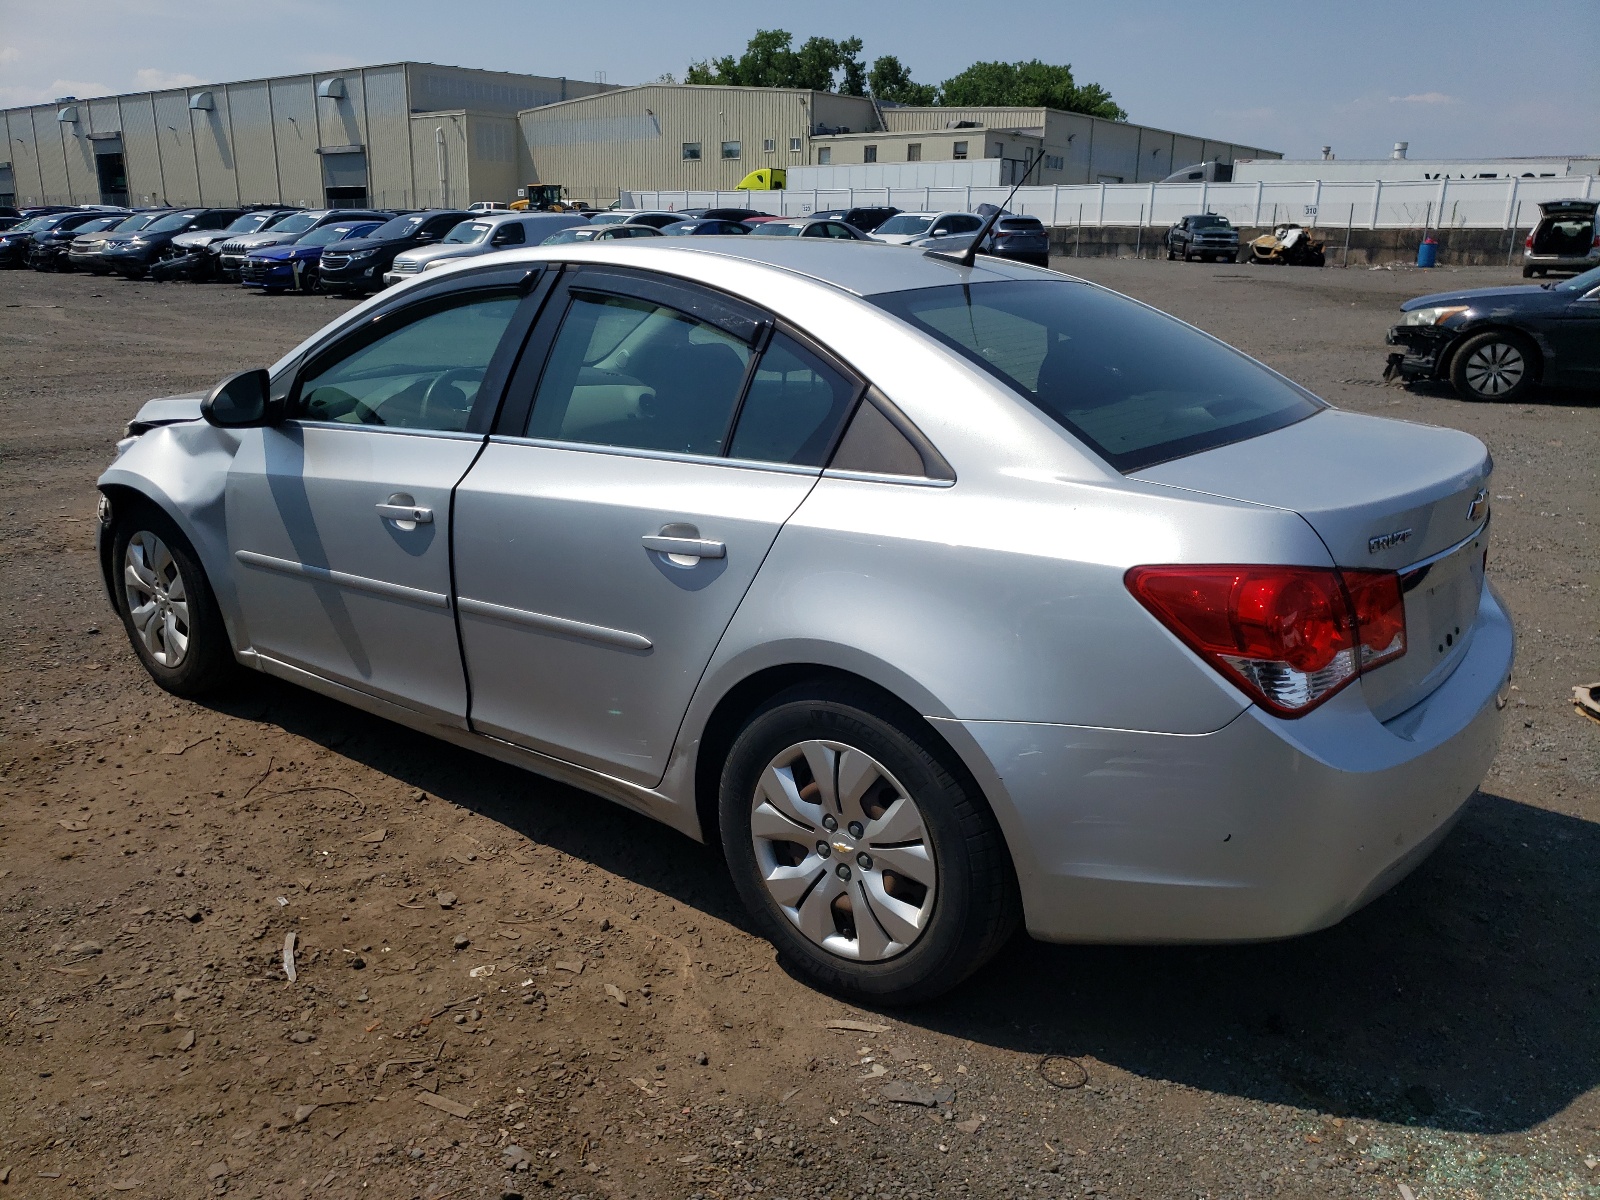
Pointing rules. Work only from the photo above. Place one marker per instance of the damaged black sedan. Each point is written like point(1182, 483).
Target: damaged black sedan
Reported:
point(1497, 343)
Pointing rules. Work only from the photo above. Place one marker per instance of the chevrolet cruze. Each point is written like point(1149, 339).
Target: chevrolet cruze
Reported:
point(941, 597)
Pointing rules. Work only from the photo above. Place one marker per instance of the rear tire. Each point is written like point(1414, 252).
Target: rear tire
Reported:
point(914, 849)
point(167, 606)
point(1497, 365)
point(1527, 272)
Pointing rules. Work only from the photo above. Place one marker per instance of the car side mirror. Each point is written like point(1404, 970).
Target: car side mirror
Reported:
point(240, 401)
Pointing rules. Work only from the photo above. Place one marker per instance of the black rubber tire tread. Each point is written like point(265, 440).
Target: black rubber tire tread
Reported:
point(977, 910)
point(210, 664)
point(1458, 366)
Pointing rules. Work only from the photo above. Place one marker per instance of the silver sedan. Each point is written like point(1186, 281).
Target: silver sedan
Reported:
point(943, 598)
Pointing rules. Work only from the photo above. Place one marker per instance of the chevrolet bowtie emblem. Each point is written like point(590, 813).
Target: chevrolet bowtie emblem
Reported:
point(1479, 502)
point(842, 847)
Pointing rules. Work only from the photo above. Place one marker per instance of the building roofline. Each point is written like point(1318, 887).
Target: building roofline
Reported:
point(1043, 108)
point(406, 62)
point(697, 87)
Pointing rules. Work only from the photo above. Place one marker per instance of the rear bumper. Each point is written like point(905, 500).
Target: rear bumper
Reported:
point(1562, 262)
point(1263, 829)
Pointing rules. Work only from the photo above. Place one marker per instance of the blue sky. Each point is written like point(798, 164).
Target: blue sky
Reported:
point(1473, 77)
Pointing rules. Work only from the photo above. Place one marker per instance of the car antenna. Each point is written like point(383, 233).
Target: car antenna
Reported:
point(965, 258)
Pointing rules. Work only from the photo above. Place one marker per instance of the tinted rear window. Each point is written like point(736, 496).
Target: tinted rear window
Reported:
point(1137, 386)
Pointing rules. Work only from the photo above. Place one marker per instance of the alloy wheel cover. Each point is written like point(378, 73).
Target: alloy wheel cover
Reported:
point(1495, 369)
point(863, 889)
point(158, 601)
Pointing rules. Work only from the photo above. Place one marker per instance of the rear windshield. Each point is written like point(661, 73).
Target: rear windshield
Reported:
point(777, 229)
point(1137, 386)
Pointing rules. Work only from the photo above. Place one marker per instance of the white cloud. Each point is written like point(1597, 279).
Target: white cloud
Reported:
point(1423, 98)
point(18, 96)
point(9, 54)
point(152, 79)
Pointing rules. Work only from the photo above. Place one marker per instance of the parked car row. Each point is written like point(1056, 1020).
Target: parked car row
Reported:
point(357, 251)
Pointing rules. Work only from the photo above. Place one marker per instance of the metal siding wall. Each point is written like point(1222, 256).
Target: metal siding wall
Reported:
point(141, 152)
point(593, 169)
point(836, 111)
point(491, 158)
point(425, 157)
point(503, 93)
point(52, 164)
point(255, 158)
point(388, 127)
point(24, 155)
point(342, 122)
point(1116, 151)
point(294, 120)
point(215, 152)
point(1186, 151)
point(83, 181)
point(176, 136)
point(104, 116)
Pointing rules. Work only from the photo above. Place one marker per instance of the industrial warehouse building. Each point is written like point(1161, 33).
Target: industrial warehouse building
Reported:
point(676, 138)
point(408, 135)
point(415, 135)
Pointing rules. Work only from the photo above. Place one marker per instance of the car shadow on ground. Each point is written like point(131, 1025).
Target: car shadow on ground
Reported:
point(1547, 397)
point(1464, 999)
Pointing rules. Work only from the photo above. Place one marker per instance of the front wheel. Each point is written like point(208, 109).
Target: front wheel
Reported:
point(1492, 366)
point(873, 866)
point(167, 606)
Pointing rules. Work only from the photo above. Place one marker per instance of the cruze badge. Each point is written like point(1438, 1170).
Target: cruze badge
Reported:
point(1386, 540)
point(1475, 509)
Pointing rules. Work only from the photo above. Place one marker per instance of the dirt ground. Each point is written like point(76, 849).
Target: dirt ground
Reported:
point(504, 986)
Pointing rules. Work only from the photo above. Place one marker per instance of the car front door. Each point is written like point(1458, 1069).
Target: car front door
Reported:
point(1574, 335)
point(621, 510)
point(339, 516)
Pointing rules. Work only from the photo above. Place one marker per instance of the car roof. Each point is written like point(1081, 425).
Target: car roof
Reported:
point(861, 268)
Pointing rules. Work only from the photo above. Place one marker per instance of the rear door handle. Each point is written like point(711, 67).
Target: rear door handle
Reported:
point(687, 547)
point(406, 512)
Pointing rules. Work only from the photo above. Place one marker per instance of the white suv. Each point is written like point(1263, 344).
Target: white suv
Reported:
point(904, 228)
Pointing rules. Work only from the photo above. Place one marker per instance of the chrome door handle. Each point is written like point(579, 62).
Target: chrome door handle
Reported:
point(687, 547)
point(406, 512)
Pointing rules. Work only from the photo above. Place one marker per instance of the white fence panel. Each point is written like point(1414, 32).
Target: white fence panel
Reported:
point(1409, 204)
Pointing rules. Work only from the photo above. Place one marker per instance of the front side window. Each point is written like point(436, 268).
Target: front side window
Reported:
point(795, 404)
point(628, 372)
point(691, 150)
point(1135, 385)
point(423, 375)
point(730, 149)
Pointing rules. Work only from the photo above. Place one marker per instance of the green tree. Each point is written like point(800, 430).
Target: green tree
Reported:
point(891, 80)
point(770, 60)
point(1031, 84)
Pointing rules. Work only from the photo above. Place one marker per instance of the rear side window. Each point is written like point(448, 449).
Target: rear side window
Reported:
point(626, 372)
point(1137, 386)
point(794, 405)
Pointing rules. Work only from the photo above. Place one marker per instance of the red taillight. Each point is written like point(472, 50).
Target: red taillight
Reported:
point(1528, 242)
point(1289, 636)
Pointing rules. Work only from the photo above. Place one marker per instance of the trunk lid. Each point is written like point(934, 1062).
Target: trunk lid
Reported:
point(1382, 495)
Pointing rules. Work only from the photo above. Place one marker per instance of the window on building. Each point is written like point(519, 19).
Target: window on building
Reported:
point(768, 145)
point(730, 149)
point(999, 150)
point(914, 152)
point(691, 150)
point(1054, 162)
point(794, 145)
point(959, 150)
point(869, 154)
point(825, 156)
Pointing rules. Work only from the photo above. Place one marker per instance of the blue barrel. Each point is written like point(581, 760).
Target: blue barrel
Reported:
point(1428, 253)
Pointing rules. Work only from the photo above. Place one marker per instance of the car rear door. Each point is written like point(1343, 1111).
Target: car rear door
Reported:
point(653, 442)
point(338, 517)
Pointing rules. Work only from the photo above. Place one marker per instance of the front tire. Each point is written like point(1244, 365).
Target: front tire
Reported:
point(864, 854)
point(167, 606)
point(1496, 365)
